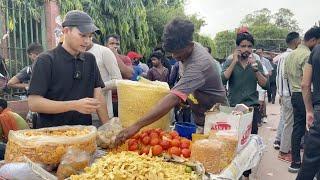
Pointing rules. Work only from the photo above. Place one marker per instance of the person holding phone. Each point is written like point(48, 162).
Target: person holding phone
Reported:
point(243, 72)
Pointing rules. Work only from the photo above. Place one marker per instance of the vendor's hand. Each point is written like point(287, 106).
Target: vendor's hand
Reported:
point(87, 105)
point(309, 119)
point(126, 134)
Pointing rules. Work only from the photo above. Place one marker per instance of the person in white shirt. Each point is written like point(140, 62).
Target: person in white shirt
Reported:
point(109, 71)
point(283, 138)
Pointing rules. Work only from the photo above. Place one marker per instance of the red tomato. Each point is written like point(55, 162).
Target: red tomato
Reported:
point(133, 147)
point(156, 150)
point(165, 144)
point(158, 130)
point(174, 134)
point(154, 141)
point(154, 135)
point(136, 136)
point(132, 141)
point(145, 150)
point(175, 151)
point(175, 142)
point(146, 140)
point(184, 145)
point(143, 135)
point(186, 153)
point(167, 136)
point(161, 134)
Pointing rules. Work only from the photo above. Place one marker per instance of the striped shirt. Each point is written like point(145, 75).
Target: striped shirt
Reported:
point(282, 84)
point(293, 67)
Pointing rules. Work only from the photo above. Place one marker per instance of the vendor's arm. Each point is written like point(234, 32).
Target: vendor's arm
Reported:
point(102, 110)
point(158, 111)
point(192, 79)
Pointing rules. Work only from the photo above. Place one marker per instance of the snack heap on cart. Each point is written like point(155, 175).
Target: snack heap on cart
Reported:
point(156, 152)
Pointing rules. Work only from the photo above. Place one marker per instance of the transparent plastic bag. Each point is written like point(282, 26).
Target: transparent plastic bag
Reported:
point(26, 170)
point(216, 152)
point(48, 145)
point(73, 162)
point(108, 132)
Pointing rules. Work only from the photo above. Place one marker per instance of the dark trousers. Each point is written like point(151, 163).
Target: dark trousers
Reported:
point(311, 158)
point(254, 130)
point(115, 108)
point(273, 92)
point(299, 125)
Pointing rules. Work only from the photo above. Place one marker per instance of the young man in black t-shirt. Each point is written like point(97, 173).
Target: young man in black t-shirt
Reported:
point(65, 87)
point(311, 75)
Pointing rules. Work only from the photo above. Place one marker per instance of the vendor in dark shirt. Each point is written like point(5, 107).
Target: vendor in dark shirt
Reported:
point(65, 87)
point(200, 85)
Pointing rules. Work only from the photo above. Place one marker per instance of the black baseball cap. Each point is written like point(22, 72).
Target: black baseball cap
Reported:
point(81, 20)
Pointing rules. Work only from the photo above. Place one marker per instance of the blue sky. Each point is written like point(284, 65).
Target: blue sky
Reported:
point(226, 14)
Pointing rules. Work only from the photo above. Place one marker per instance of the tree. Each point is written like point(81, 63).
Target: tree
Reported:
point(259, 17)
point(284, 19)
point(224, 44)
point(269, 36)
point(159, 13)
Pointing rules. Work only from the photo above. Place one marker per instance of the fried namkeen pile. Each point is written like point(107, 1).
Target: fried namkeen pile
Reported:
point(129, 165)
point(48, 145)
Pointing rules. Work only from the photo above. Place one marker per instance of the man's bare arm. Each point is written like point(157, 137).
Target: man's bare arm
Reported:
point(15, 83)
point(43, 105)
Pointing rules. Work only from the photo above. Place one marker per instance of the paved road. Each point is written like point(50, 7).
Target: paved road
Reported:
point(270, 168)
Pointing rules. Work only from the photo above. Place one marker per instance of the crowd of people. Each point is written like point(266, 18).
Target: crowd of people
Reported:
point(79, 77)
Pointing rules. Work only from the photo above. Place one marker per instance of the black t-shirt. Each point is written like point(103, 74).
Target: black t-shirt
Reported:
point(314, 61)
point(59, 76)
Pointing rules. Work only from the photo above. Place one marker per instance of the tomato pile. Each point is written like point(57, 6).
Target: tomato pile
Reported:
point(158, 142)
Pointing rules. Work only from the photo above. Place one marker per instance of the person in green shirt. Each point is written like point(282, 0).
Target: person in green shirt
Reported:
point(293, 72)
point(242, 71)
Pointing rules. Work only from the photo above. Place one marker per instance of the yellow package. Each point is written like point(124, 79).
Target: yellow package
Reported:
point(136, 99)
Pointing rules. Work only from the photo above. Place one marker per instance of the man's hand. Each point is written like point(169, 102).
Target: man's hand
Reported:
point(309, 119)
point(236, 55)
point(86, 105)
point(126, 134)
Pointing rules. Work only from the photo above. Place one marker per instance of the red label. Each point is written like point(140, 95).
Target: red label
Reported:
point(221, 126)
point(246, 135)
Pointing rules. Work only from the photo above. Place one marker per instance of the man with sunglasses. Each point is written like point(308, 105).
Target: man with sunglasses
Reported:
point(65, 87)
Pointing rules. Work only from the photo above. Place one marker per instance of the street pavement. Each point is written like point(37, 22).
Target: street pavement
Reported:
point(270, 168)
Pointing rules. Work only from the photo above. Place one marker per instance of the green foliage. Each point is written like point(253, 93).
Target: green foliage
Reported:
point(224, 44)
point(259, 17)
point(284, 19)
point(158, 15)
point(269, 30)
point(126, 18)
point(140, 23)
